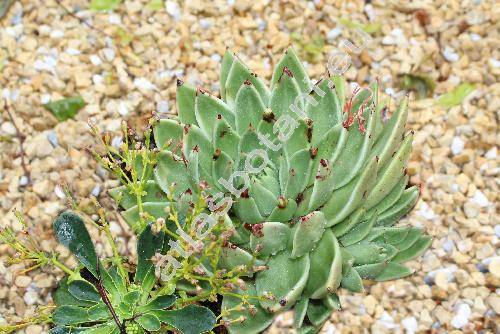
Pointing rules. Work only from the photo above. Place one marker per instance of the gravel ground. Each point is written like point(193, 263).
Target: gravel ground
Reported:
point(124, 64)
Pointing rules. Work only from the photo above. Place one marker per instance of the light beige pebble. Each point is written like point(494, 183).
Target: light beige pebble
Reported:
point(42, 188)
point(441, 280)
point(44, 281)
point(370, 303)
point(494, 301)
point(494, 267)
point(22, 281)
point(34, 329)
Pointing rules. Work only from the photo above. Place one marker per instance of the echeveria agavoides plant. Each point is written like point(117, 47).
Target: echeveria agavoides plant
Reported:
point(103, 298)
point(311, 183)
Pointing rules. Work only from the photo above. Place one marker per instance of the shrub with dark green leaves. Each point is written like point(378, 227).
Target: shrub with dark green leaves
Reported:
point(104, 299)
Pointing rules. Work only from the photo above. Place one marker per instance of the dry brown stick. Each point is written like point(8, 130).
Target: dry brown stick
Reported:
point(21, 138)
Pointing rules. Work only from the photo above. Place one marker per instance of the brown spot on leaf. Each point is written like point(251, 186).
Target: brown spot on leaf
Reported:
point(257, 230)
point(313, 152)
point(217, 154)
point(268, 116)
point(282, 202)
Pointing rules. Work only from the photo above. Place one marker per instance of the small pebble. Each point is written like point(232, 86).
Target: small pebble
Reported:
point(461, 318)
point(22, 281)
point(52, 138)
point(480, 199)
point(23, 181)
point(410, 325)
point(450, 54)
point(457, 146)
point(494, 267)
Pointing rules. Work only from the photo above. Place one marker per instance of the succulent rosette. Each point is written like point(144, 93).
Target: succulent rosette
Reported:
point(314, 183)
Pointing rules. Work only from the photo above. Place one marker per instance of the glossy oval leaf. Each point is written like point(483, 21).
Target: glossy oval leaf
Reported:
point(71, 232)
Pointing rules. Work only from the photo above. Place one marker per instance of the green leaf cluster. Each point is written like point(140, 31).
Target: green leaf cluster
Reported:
point(317, 216)
point(101, 299)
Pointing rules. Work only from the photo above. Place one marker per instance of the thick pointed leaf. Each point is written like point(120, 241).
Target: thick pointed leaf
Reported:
point(326, 267)
point(283, 214)
point(284, 95)
point(347, 199)
point(326, 114)
point(307, 233)
point(185, 97)
point(352, 281)
point(247, 211)
point(317, 312)
point(233, 256)
point(411, 238)
point(299, 139)
point(358, 233)
point(293, 63)
point(299, 312)
point(339, 86)
point(388, 235)
point(407, 201)
point(265, 200)
point(370, 270)
point(332, 301)
point(298, 174)
point(369, 252)
point(390, 175)
point(227, 62)
point(349, 223)
point(272, 238)
point(168, 135)
point(390, 199)
point(417, 249)
point(196, 140)
point(393, 271)
point(292, 275)
point(223, 167)
point(225, 139)
point(353, 158)
point(208, 109)
point(249, 108)
point(71, 232)
point(237, 75)
point(171, 174)
point(322, 171)
point(391, 134)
